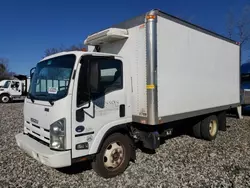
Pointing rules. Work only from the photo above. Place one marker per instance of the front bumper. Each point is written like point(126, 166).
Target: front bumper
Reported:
point(42, 153)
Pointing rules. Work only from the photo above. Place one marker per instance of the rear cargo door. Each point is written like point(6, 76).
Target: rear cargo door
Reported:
point(108, 106)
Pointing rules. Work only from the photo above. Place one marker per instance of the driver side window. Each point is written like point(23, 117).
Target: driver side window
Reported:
point(15, 85)
point(110, 80)
point(110, 76)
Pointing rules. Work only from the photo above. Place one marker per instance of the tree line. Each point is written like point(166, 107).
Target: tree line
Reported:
point(51, 51)
point(5, 73)
point(238, 28)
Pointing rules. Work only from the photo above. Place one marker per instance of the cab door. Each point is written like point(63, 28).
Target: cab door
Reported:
point(97, 108)
point(15, 88)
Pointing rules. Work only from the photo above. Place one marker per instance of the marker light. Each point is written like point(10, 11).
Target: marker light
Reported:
point(148, 17)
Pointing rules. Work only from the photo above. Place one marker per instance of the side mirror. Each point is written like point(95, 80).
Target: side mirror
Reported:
point(32, 72)
point(94, 77)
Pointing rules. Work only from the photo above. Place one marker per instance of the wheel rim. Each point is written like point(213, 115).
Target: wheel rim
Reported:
point(5, 99)
point(212, 127)
point(114, 156)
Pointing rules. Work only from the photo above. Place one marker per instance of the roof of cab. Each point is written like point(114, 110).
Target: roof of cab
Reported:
point(79, 53)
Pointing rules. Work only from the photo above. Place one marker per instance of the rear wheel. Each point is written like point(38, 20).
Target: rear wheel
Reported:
point(5, 98)
point(209, 127)
point(114, 156)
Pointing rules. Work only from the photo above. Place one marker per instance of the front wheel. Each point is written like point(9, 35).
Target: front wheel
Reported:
point(5, 98)
point(114, 156)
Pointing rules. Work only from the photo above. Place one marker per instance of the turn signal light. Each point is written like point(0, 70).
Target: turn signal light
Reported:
point(150, 17)
point(84, 145)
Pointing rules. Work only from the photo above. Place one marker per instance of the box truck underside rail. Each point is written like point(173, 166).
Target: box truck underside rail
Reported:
point(138, 80)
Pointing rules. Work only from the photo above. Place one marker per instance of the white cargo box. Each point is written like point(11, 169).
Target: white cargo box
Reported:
point(178, 69)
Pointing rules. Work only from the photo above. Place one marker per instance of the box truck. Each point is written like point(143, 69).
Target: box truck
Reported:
point(14, 89)
point(137, 79)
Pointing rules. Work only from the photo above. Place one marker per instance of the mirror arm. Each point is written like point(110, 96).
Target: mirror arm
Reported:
point(89, 103)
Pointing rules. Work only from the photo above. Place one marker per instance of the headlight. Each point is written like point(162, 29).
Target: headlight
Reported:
point(57, 128)
point(57, 135)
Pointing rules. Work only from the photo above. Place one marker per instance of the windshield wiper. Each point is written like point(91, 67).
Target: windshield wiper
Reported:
point(31, 98)
point(49, 100)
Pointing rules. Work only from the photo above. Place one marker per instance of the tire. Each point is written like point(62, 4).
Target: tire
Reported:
point(115, 143)
point(197, 130)
point(209, 127)
point(4, 98)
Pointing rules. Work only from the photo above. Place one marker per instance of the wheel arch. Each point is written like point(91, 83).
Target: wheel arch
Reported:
point(121, 128)
point(97, 144)
point(4, 94)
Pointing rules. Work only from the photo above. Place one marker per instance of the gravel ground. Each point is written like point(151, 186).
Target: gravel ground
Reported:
point(182, 161)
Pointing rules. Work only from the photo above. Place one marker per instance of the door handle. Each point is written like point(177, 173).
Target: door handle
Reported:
point(122, 110)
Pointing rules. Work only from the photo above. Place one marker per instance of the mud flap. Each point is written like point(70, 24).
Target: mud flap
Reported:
point(222, 121)
point(133, 149)
point(151, 140)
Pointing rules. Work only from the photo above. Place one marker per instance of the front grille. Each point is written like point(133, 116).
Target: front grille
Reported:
point(36, 126)
point(38, 140)
point(38, 132)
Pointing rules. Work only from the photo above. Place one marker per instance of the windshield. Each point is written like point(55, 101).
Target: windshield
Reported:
point(6, 85)
point(51, 78)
